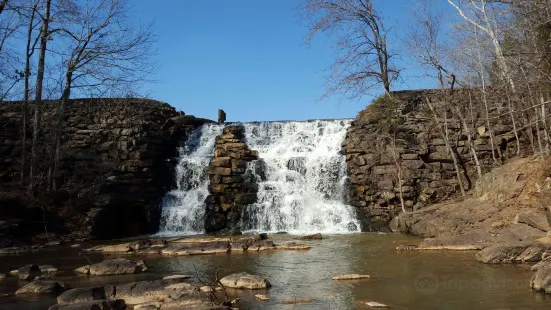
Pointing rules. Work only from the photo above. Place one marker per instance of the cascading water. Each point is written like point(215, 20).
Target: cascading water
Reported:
point(184, 208)
point(301, 175)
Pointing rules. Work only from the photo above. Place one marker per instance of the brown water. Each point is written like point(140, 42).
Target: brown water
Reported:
point(401, 279)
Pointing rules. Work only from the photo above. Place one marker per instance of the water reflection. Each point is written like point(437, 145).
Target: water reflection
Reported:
point(404, 280)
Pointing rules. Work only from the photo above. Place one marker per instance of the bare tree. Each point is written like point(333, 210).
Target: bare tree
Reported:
point(29, 51)
point(444, 134)
point(479, 16)
point(424, 39)
point(468, 133)
point(104, 52)
point(44, 34)
point(364, 60)
point(10, 23)
point(396, 157)
point(3, 5)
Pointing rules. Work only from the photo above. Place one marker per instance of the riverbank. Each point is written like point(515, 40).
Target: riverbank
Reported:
point(506, 220)
point(507, 206)
point(414, 279)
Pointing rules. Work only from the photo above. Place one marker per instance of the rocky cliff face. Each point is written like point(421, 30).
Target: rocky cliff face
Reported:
point(230, 187)
point(383, 147)
point(114, 168)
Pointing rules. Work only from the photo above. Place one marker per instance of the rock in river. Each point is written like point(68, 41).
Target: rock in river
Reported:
point(312, 237)
point(113, 266)
point(245, 280)
point(541, 281)
point(43, 287)
point(85, 294)
point(374, 304)
point(47, 269)
point(512, 253)
point(28, 272)
point(92, 305)
point(351, 277)
point(153, 294)
point(176, 277)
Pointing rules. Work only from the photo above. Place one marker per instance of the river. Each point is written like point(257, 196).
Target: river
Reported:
point(400, 279)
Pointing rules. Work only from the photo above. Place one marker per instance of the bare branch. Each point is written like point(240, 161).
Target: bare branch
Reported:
point(364, 60)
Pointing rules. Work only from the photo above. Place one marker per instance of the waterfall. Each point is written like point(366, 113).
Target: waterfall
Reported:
point(184, 208)
point(301, 175)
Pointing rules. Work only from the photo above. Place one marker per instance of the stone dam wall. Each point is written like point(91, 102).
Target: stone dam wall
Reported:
point(115, 167)
point(381, 144)
point(118, 158)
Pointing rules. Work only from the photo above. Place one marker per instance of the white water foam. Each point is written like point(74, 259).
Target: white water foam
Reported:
point(184, 208)
point(301, 175)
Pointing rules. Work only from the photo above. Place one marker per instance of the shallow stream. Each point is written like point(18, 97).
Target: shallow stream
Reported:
point(400, 279)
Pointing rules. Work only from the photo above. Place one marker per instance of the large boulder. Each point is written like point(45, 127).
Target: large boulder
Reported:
point(502, 253)
point(512, 253)
point(245, 280)
point(28, 272)
point(541, 281)
point(92, 305)
point(472, 240)
point(166, 292)
point(113, 266)
point(136, 246)
point(134, 293)
point(317, 236)
point(86, 294)
point(544, 263)
point(147, 291)
point(43, 287)
point(534, 219)
point(523, 232)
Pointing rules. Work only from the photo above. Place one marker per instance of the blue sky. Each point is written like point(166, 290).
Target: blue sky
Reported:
point(248, 58)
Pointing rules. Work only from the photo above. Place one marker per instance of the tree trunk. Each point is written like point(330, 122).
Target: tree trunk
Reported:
point(399, 173)
point(38, 96)
point(538, 134)
point(59, 127)
point(469, 140)
point(544, 122)
point(484, 99)
point(449, 147)
point(400, 189)
point(514, 123)
point(28, 54)
point(488, 123)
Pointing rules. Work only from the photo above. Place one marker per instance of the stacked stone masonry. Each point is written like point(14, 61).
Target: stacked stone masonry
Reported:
point(115, 165)
point(415, 148)
point(231, 187)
